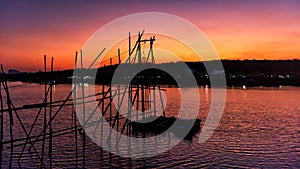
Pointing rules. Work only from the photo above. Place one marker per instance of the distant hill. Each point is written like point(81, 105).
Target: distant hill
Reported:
point(238, 72)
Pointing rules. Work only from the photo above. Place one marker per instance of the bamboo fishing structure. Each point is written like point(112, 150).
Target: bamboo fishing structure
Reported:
point(38, 140)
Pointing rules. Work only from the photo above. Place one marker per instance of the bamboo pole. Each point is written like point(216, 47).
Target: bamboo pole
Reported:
point(1, 121)
point(102, 112)
point(11, 121)
point(83, 111)
point(129, 47)
point(45, 108)
point(11, 109)
point(154, 101)
point(119, 55)
point(31, 129)
point(74, 116)
point(50, 114)
point(55, 114)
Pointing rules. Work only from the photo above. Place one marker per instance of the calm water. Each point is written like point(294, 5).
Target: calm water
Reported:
point(260, 128)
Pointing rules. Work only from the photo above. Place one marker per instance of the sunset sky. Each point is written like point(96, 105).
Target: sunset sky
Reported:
point(238, 29)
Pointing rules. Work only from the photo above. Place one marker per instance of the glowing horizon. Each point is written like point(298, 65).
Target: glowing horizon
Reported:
point(238, 30)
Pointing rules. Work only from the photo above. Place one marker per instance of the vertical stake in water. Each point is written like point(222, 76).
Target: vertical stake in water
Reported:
point(11, 108)
point(74, 116)
point(11, 121)
point(110, 121)
point(119, 94)
point(45, 108)
point(50, 115)
point(130, 103)
point(118, 110)
point(102, 119)
point(161, 101)
point(143, 100)
point(129, 119)
point(154, 101)
point(137, 101)
point(1, 121)
point(83, 110)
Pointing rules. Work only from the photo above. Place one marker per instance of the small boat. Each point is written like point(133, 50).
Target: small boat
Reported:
point(158, 125)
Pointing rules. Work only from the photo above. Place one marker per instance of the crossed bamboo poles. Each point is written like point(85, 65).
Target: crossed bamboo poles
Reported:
point(46, 110)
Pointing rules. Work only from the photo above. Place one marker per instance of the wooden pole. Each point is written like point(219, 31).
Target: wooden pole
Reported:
point(119, 56)
point(45, 108)
point(161, 100)
point(1, 121)
point(11, 122)
point(74, 116)
point(96, 58)
point(154, 101)
point(31, 129)
point(143, 100)
point(50, 114)
point(83, 111)
point(137, 101)
point(129, 48)
point(11, 108)
point(139, 49)
point(53, 117)
point(118, 110)
point(102, 119)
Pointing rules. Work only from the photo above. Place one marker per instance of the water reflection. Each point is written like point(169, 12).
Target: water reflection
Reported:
point(259, 128)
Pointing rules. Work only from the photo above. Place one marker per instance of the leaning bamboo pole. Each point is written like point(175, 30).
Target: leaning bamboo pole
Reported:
point(74, 117)
point(138, 96)
point(1, 121)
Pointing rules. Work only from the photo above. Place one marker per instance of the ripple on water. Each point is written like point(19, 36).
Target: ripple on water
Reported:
point(254, 132)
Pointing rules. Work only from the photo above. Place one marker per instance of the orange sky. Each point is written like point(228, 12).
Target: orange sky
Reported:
point(162, 42)
point(238, 30)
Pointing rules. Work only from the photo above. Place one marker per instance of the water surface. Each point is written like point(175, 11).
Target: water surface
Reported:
point(260, 128)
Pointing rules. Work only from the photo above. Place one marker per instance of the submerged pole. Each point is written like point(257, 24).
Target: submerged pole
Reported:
point(83, 111)
point(154, 101)
point(143, 100)
point(50, 114)
point(45, 108)
point(74, 116)
point(102, 113)
point(1, 121)
point(11, 122)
